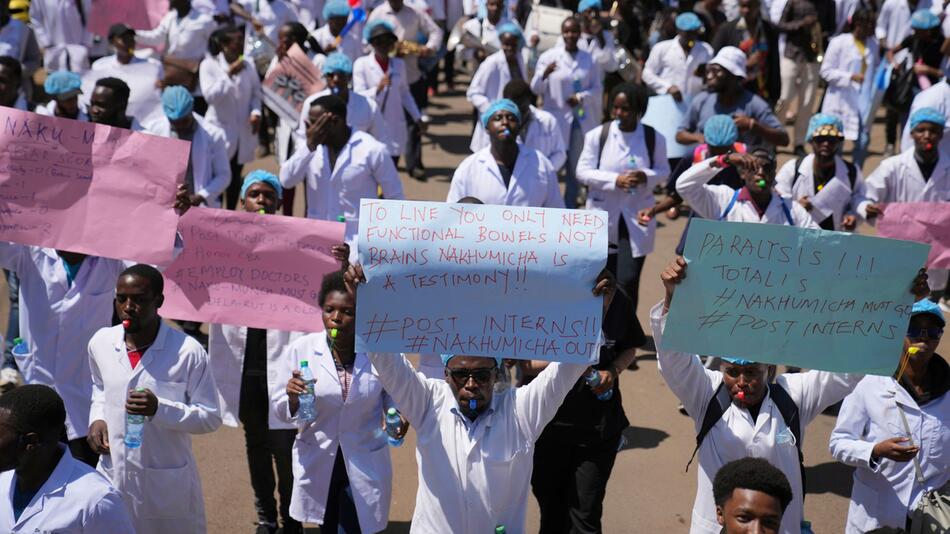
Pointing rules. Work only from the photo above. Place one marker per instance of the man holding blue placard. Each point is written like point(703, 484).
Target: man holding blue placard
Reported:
point(738, 412)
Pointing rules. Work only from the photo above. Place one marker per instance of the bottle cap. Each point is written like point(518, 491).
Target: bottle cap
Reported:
point(304, 363)
point(341, 218)
point(392, 412)
point(17, 340)
point(140, 388)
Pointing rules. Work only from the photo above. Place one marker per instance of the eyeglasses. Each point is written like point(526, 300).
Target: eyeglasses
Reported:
point(481, 375)
point(918, 333)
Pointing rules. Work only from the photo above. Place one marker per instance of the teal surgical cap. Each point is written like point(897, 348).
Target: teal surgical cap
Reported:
point(584, 5)
point(500, 105)
point(512, 28)
point(823, 119)
point(738, 361)
point(720, 130)
point(447, 357)
point(385, 27)
point(336, 8)
point(177, 102)
point(62, 84)
point(259, 175)
point(924, 19)
point(337, 62)
point(928, 306)
point(927, 115)
point(688, 22)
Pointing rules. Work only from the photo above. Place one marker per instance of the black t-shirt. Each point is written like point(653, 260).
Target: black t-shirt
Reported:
point(582, 418)
point(255, 352)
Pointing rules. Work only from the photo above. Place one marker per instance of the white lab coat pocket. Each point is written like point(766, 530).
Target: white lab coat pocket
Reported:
point(172, 493)
point(170, 391)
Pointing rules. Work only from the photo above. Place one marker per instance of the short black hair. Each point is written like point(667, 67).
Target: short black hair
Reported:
point(220, 36)
point(119, 88)
point(155, 280)
point(515, 90)
point(12, 64)
point(331, 282)
point(469, 200)
point(298, 32)
point(754, 474)
point(35, 408)
point(331, 104)
point(636, 95)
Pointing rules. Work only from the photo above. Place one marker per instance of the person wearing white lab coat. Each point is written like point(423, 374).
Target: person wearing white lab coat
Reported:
point(208, 173)
point(737, 435)
point(232, 88)
point(751, 203)
point(183, 32)
point(42, 487)
point(936, 96)
point(139, 73)
point(18, 41)
point(481, 35)
point(489, 81)
point(384, 79)
point(539, 129)
point(569, 82)
point(824, 177)
point(267, 16)
point(409, 24)
point(361, 112)
point(336, 14)
point(595, 40)
point(506, 172)
point(342, 466)
point(671, 66)
point(893, 21)
point(61, 29)
point(871, 435)
point(159, 479)
point(63, 88)
point(849, 66)
point(919, 174)
point(340, 166)
point(620, 177)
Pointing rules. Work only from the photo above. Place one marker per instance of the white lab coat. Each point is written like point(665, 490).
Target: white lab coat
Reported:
point(473, 475)
point(210, 167)
point(159, 480)
point(182, 37)
point(271, 13)
point(575, 74)
point(668, 65)
point(736, 435)
point(353, 426)
point(488, 84)
point(351, 45)
point(61, 35)
point(601, 179)
point(49, 110)
point(533, 181)
point(232, 101)
point(226, 347)
point(789, 188)
point(843, 97)
point(936, 96)
point(57, 319)
point(886, 491)
point(145, 100)
point(540, 131)
point(361, 166)
point(74, 499)
point(893, 21)
point(410, 23)
point(361, 115)
point(391, 102)
point(710, 201)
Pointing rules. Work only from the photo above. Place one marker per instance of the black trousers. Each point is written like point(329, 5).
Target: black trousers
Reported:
point(414, 145)
point(570, 481)
point(624, 266)
point(340, 515)
point(266, 449)
point(233, 191)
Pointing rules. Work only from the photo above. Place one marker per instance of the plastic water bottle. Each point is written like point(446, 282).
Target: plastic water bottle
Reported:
point(20, 347)
point(393, 424)
point(134, 427)
point(631, 166)
point(577, 89)
point(593, 380)
point(307, 410)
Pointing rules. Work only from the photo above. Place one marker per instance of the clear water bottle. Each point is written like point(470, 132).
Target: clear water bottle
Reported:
point(134, 427)
point(577, 89)
point(593, 380)
point(307, 410)
point(393, 424)
point(631, 166)
point(20, 347)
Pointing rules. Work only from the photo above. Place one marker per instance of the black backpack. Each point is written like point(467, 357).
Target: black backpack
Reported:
point(649, 136)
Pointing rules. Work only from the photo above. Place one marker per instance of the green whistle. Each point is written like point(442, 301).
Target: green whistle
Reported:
point(262, 212)
point(333, 332)
point(761, 183)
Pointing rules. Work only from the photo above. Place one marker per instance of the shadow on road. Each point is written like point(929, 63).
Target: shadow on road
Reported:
point(829, 477)
point(638, 437)
point(394, 527)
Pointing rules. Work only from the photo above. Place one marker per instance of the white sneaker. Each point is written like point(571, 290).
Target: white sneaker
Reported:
point(9, 379)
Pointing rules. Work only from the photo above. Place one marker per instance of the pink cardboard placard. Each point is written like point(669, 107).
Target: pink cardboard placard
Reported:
point(924, 222)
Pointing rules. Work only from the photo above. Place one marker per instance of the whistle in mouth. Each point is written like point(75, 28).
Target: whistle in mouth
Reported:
point(760, 183)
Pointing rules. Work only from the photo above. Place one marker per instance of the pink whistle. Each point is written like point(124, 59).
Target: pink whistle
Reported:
point(930, 146)
point(126, 323)
point(741, 395)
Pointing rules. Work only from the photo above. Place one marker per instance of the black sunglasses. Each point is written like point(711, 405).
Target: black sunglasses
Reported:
point(481, 375)
point(917, 333)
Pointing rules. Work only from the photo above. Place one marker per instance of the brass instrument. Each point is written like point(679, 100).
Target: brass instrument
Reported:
point(409, 48)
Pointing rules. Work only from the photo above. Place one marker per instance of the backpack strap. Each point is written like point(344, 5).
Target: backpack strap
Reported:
point(604, 132)
point(798, 165)
point(787, 210)
point(852, 173)
point(729, 206)
point(716, 407)
point(649, 135)
point(789, 411)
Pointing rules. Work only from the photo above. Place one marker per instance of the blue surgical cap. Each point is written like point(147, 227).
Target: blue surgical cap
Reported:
point(688, 22)
point(924, 19)
point(823, 119)
point(368, 30)
point(447, 357)
point(336, 8)
point(62, 83)
point(177, 102)
point(584, 5)
point(502, 104)
point(513, 29)
point(259, 175)
point(337, 62)
point(927, 115)
point(738, 361)
point(928, 306)
point(720, 130)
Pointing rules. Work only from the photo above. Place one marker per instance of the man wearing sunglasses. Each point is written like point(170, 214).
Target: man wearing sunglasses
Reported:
point(475, 445)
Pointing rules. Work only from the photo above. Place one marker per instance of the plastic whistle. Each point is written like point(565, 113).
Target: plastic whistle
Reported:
point(912, 350)
point(241, 57)
point(261, 211)
point(930, 146)
point(506, 131)
point(761, 183)
point(741, 396)
point(126, 323)
point(333, 333)
point(472, 404)
point(690, 43)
